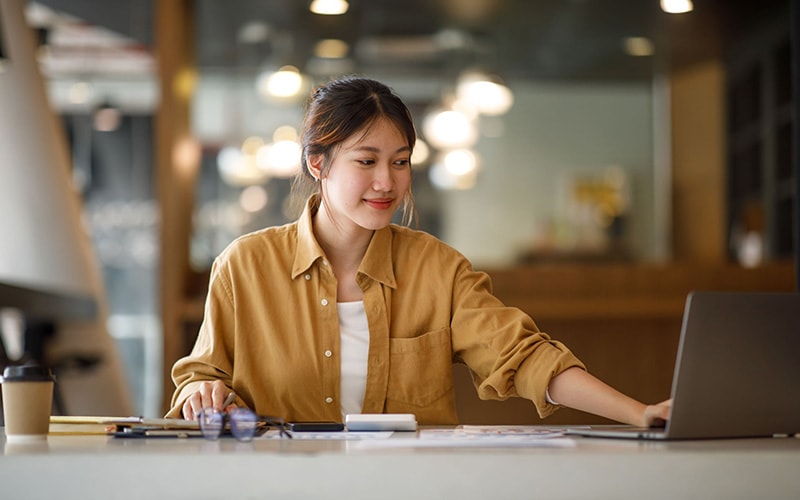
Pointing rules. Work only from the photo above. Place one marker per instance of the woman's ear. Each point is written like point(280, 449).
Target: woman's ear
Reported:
point(314, 164)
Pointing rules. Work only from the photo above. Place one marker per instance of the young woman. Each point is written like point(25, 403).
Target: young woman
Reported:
point(344, 312)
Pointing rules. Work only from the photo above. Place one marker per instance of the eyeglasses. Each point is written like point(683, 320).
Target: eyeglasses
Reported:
point(241, 422)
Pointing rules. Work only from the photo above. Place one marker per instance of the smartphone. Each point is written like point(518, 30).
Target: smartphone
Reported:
point(315, 426)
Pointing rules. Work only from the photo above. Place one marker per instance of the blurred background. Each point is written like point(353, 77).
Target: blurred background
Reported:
point(574, 149)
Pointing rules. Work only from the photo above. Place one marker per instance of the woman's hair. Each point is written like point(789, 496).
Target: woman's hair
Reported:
point(335, 112)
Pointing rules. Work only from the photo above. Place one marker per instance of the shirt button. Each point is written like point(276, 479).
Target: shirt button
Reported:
point(307, 277)
point(328, 353)
point(329, 400)
point(324, 302)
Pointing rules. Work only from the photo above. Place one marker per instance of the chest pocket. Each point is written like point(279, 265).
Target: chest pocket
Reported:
point(420, 372)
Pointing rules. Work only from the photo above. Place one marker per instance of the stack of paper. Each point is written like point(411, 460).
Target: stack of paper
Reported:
point(83, 425)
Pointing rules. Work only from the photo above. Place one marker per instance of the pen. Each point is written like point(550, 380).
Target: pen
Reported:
point(228, 400)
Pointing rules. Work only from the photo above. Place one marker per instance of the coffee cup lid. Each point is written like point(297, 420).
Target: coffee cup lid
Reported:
point(28, 372)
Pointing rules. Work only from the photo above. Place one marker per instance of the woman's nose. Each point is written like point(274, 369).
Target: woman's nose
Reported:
point(384, 178)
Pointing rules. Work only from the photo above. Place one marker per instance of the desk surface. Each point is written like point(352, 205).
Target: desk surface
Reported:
point(88, 467)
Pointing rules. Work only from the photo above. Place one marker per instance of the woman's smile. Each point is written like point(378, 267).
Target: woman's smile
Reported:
point(380, 203)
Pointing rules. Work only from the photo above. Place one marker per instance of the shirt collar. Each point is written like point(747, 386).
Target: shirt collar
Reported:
point(377, 262)
point(308, 250)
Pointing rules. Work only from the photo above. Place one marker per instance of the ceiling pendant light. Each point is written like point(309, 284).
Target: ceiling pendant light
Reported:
point(287, 82)
point(329, 7)
point(454, 170)
point(449, 129)
point(638, 46)
point(677, 6)
point(487, 93)
point(282, 157)
point(238, 166)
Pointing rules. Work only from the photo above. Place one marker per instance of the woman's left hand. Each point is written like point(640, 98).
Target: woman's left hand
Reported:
point(658, 414)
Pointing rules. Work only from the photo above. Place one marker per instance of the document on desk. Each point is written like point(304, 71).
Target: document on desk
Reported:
point(487, 436)
point(331, 436)
point(529, 431)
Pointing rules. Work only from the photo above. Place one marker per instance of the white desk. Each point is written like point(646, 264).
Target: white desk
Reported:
point(89, 467)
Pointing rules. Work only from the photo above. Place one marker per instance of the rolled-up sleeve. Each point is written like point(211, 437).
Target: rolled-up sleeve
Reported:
point(502, 346)
point(211, 356)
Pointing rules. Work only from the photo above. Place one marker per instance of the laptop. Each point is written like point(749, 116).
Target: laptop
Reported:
point(737, 372)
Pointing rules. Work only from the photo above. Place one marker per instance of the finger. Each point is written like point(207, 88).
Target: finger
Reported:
point(205, 396)
point(192, 406)
point(188, 411)
point(218, 394)
point(665, 409)
point(658, 414)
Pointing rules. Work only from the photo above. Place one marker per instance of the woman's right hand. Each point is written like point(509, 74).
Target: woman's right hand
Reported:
point(209, 395)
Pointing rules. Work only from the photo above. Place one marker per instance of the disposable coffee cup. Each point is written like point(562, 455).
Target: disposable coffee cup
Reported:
point(27, 401)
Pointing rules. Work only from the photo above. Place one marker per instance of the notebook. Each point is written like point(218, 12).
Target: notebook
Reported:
point(737, 372)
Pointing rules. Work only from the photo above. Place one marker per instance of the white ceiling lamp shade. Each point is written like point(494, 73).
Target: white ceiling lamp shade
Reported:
point(239, 168)
point(449, 129)
point(253, 32)
point(331, 48)
point(455, 170)
point(330, 57)
point(279, 159)
point(80, 92)
point(677, 6)
point(285, 83)
point(638, 46)
point(460, 162)
point(329, 7)
point(453, 129)
point(487, 93)
point(255, 162)
point(253, 199)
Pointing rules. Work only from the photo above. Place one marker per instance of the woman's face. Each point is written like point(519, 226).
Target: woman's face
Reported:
point(368, 178)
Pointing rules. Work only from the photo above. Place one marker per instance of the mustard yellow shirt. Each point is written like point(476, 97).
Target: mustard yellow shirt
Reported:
point(271, 333)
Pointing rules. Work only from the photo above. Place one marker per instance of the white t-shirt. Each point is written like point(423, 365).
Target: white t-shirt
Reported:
point(354, 346)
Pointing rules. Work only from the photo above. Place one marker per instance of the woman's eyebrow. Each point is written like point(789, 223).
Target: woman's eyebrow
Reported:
point(373, 149)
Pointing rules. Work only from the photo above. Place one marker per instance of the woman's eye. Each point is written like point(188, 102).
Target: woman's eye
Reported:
point(367, 162)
